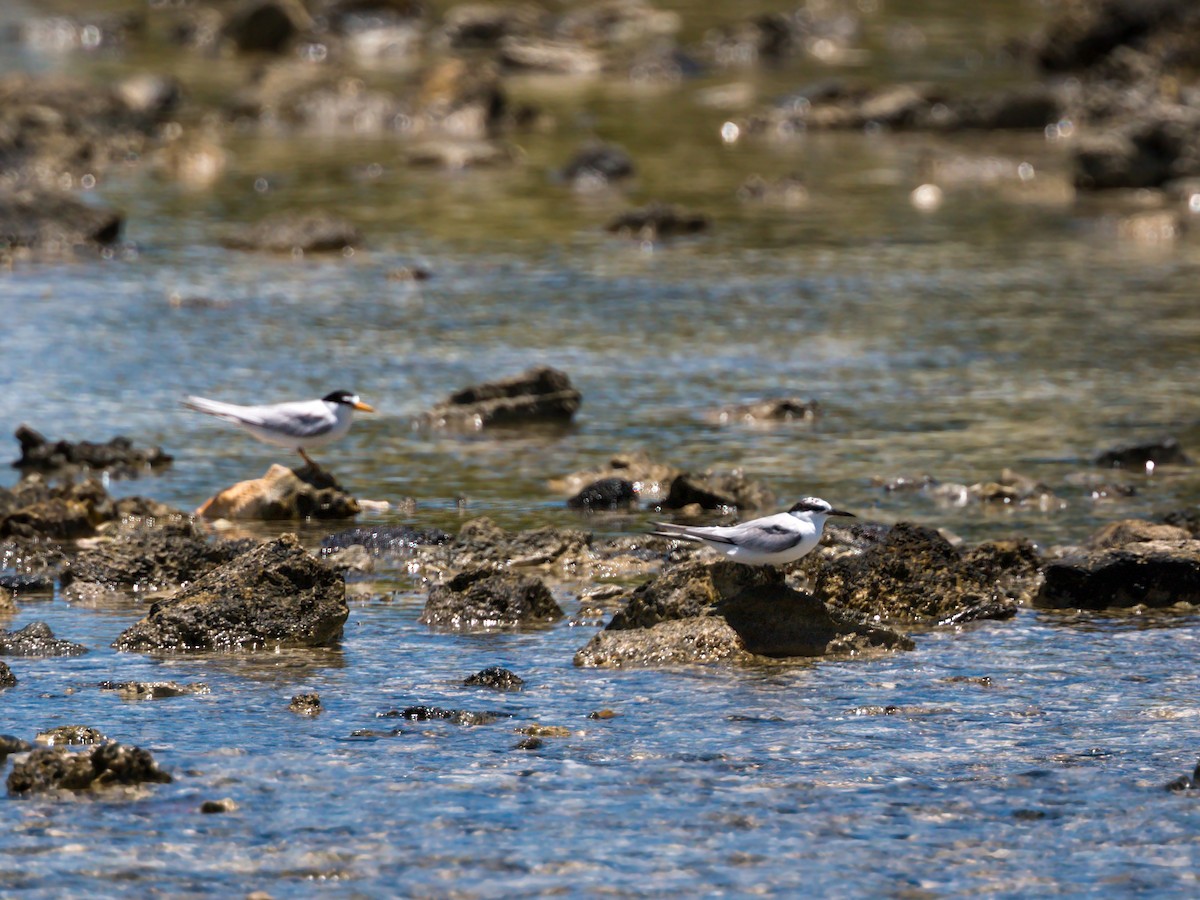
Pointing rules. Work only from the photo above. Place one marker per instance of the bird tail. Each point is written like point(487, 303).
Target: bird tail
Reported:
point(211, 407)
point(677, 532)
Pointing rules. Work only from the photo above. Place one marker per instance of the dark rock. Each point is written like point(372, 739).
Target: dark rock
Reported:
point(266, 26)
point(306, 704)
point(224, 805)
point(1188, 519)
point(786, 191)
point(35, 509)
point(7, 678)
point(486, 598)
point(36, 639)
point(7, 606)
point(437, 713)
point(768, 412)
point(541, 394)
point(1184, 783)
point(276, 594)
point(497, 678)
point(912, 574)
point(718, 491)
point(1030, 107)
point(71, 735)
point(148, 559)
point(1083, 33)
point(153, 690)
point(297, 233)
point(699, 612)
point(118, 457)
point(651, 479)
point(10, 745)
point(608, 493)
point(282, 493)
point(54, 224)
point(386, 539)
point(598, 164)
point(529, 743)
point(27, 582)
point(1153, 574)
point(56, 768)
point(473, 25)
point(1134, 531)
point(656, 221)
point(1146, 455)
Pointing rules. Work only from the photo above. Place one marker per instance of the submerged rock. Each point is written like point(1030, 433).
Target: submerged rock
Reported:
point(486, 598)
point(497, 678)
point(297, 233)
point(596, 165)
point(1135, 531)
point(390, 539)
point(70, 735)
point(698, 612)
point(153, 690)
point(650, 478)
point(437, 713)
point(56, 768)
point(1144, 455)
point(725, 491)
point(607, 493)
point(36, 639)
point(10, 744)
point(274, 595)
point(283, 493)
point(306, 704)
point(913, 575)
point(768, 412)
point(52, 224)
point(7, 678)
point(541, 394)
point(117, 457)
point(1150, 573)
point(656, 221)
point(35, 509)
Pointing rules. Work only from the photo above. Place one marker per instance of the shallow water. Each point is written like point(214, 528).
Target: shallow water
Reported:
point(1012, 327)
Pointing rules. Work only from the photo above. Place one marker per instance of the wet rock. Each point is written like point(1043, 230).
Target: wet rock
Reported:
point(541, 394)
point(1184, 782)
point(725, 491)
point(497, 678)
point(17, 583)
point(768, 412)
point(910, 574)
point(484, 598)
point(1188, 519)
point(1083, 33)
point(118, 457)
point(35, 509)
point(1144, 455)
point(306, 704)
point(698, 612)
point(1151, 573)
point(266, 26)
point(529, 743)
point(282, 493)
point(789, 191)
point(555, 57)
point(460, 99)
point(10, 744)
point(56, 768)
point(596, 165)
point(297, 233)
point(36, 639)
point(52, 224)
point(353, 559)
point(472, 25)
point(545, 731)
point(651, 479)
point(70, 735)
point(274, 595)
point(153, 690)
point(386, 539)
point(7, 605)
point(608, 493)
point(149, 558)
point(656, 221)
point(7, 678)
point(824, 32)
point(1150, 149)
point(1134, 531)
point(457, 154)
point(224, 805)
point(437, 713)
point(1016, 489)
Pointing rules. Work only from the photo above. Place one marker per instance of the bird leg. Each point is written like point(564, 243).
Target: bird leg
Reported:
point(308, 459)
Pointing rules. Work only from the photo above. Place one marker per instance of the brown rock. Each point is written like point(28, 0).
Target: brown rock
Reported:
point(282, 493)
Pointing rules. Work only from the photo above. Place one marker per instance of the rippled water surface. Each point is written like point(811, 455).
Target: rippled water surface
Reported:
point(1013, 327)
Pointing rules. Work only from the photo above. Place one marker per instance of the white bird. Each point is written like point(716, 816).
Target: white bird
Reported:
point(295, 425)
point(769, 541)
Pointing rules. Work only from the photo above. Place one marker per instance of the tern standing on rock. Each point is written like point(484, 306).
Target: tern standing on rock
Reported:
point(296, 425)
point(769, 541)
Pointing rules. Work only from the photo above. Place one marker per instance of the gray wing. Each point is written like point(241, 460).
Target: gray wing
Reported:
point(760, 539)
point(301, 420)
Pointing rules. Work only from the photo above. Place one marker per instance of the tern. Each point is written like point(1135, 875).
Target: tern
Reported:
point(295, 425)
point(769, 541)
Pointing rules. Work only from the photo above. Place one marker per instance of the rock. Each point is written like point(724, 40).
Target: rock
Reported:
point(788, 191)
point(1083, 33)
point(25, 582)
point(52, 224)
point(910, 574)
point(386, 539)
point(1144, 455)
point(1188, 519)
point(282, 493)
point(541, 394)
point(556, 57)
point(148, 559)
point(274, 595)
point(7, 678)
point(224, 805)
point(434, 713)
point(472, 25)
point(306, 704)
point(456, 154)
point(10, 745)
point(1184, 782)
point(153, 690)
point(266, 26)
point(7, 605)
point(118, 457)
point(651, 479)
point(698, 612)
point(297, 233)
point(1151, 573)
point(657, 221)
point(36, 639)
point(719, 491)
point(484, 598)
point(70, 735)
point(496, 678)
point(766, 413)
point(1134, 531)
point(597, 165)
point(56, 768)
point(36, 509)
point(608, 493)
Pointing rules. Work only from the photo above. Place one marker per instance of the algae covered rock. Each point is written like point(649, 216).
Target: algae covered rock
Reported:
point(487, 598)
